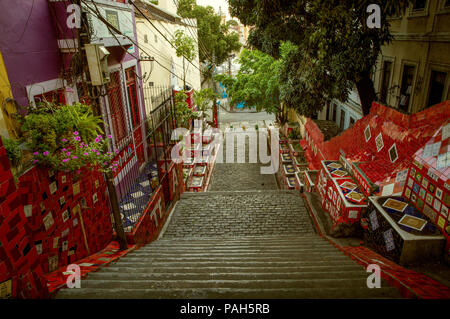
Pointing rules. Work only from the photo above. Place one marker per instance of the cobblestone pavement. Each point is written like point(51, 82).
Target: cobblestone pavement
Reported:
point(235, 214)
point(240, 176)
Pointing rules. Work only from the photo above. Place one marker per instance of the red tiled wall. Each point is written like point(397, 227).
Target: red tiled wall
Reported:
point(26, 246)
point(408, 132)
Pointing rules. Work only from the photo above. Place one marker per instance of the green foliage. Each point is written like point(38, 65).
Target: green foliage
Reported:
point(76, 154)
point(216, 43)
point(66, 137)
point(47, 124)
point(182, 111)
point(184, 45)
point(257, 82)
point(13, 150)
point(335, 50)
point(203, 99)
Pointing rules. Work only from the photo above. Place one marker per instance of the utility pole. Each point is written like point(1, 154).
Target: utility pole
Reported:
point(83, 38)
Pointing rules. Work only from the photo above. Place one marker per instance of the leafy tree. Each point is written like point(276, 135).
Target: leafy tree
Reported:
point(182, 111)
point(215, 42)
point(203, 99)
point(257, 82)
point(336, 50)
point(185, 47)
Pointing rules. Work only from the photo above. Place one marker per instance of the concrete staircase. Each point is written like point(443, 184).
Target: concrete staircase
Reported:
point(242, 262)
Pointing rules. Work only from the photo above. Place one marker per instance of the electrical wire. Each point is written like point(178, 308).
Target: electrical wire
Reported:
point(112, 28)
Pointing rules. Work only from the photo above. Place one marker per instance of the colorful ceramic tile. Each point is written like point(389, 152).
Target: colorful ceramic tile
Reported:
point(439, 193)
point(76, 188)
point(425, 182)
point(335, 165)
point(430, 213)
point(437, 204)
point(413, 172)
point(407, 192)
point(416, 188)
point(340, 173)
point(53, 187)
point(393, 155)
point(373, 220)
point(367, 133)
point(413, 198)
point(422, 193)
point(379, 142)
point(419, 203)
point(410, 182)
point(419, 177)
point(389, 240)
point(395, 204)
point(48, 221)
point(348, 185)
point(444, 211)
point(412, 222)
point(358, 197)
point(431, 188)
point(429, 199)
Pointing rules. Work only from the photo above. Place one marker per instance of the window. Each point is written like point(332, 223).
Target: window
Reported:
point(57, 96)
point(447, 4)
point(406, 87)
point(385, 81)
point(436, 89)
point(113, 18)
point(342, 119)
point(419, 5)
point(145, 38)
point(156, 39)
point(328, 111)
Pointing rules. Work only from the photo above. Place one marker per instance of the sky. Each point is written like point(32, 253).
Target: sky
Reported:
point(216, 4)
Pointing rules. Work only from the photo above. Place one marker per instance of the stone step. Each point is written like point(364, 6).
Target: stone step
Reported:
point(182, 259)
point(257, 240)
point(231, 293)
point(135, 283)
point(232, 247)
point(241, 275)
point(235, 263)
point(236, 253)
point(259, 269)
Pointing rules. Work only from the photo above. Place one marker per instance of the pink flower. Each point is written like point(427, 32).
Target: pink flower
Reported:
point(75, 133)
point(86, 154)
point(68, 153)
point(77, 138)
point(66, 160)
point(97, 140)
point(64, 140)
point(78, 172)
point(74, 157)
point(99, 137)
point(109, 136)
point(36, 153)
point(64, 149)
point(35, 161)
point(45, 153)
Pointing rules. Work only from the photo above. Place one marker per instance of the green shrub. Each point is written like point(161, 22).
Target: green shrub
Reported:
point(13, 150)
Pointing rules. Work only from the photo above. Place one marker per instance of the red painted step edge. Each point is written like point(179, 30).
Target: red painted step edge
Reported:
point(411, 284)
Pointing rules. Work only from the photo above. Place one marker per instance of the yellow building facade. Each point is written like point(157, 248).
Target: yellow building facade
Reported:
point(413, 71)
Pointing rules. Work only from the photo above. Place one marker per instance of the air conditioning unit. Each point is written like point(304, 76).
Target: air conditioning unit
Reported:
point(97, 58)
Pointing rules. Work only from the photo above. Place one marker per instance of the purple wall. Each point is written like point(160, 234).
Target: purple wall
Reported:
point(28, 44)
